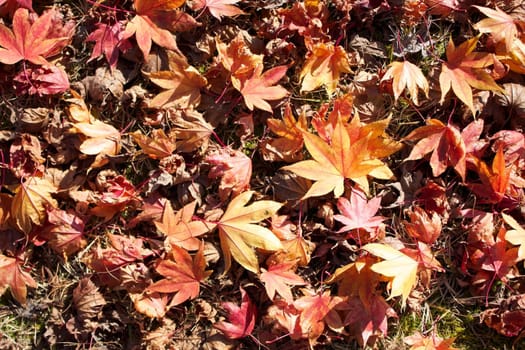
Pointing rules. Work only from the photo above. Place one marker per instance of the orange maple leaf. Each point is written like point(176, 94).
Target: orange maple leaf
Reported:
point(259, 88)
point(183, 275)
point(406, 75)
point(338, 160)
point(180, 228)
point(157, 146)
point(324, 65)
point(445, 143)
point(289, 145)
point(33, 41)
point(144, 24)
point(239, 233)
point(464, 70)
point(13, 276)
point(182, 84)
point(278, 278)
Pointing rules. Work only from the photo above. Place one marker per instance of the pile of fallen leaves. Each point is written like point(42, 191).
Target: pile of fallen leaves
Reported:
point(261, 173)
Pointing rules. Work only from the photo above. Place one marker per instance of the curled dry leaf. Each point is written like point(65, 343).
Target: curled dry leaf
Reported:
point(87, 299)
point(242, 319)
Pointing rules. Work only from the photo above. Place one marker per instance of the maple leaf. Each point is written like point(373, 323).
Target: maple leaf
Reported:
point(109, 42)
point(358, 213)
point(464, 70)
point(494, 180)
point(31, 41)
point(241, 319)
point(334, 162)
point(191, 131)
point(218, 8)
point(30, 203)
point(12, 275)
point(289, 145)
point(183, 275)
point(144, 24)
point(367, 312)
point(44, 80)
point(156, 147)
point(257, 89)
point(406, 75)
point(501, 26)
point(182, 83)
point(423, 226)
point(238, 232)
point(238, 59)
point(121, 251)
point(324, 65)
point(398, 267)
point(418, 341)
point(368, 318)
point(235, 170)
point(8, 7)
point(314, 312)
point(64, 232)
point(100, 139)
point(278, 278)
point(445, 143)
point(515, 236)
point(179, 228)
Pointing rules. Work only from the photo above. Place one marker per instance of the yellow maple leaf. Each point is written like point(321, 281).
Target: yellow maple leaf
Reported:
point(398, 267)
point(239, 233)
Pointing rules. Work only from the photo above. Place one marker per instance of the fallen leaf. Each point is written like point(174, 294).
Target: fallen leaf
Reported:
point(239, 233)
point(464, 70)
point(30, 203)
point(179, 227)
point(64, 232)
point(32, 41)
point(182, 84)
point(445, 143)
point(183, 275)
point(334, 162)
point(157, 146)
point(45, 80)
point(235, 170)
point(418, 341)
point(501, 26)
point(109, 41)
point(12, 275)
point(279, 278)
point(324, 65)
point(218, 8)
point(406, 75)
point(515, 236)
point(359, 213)
point(100, 139)
point(398, 267)
point(423, 226)
point(145, 24)
point(241, 319)
point(87, 299)
point(259, 88)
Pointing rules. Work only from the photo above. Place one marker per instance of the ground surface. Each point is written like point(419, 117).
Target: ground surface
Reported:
point(225, 174)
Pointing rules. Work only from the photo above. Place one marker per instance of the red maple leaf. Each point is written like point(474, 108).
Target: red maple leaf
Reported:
point(33, 40)
point(109, 42)
point(218, 8)
point(241, 319)
point(446, 144)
